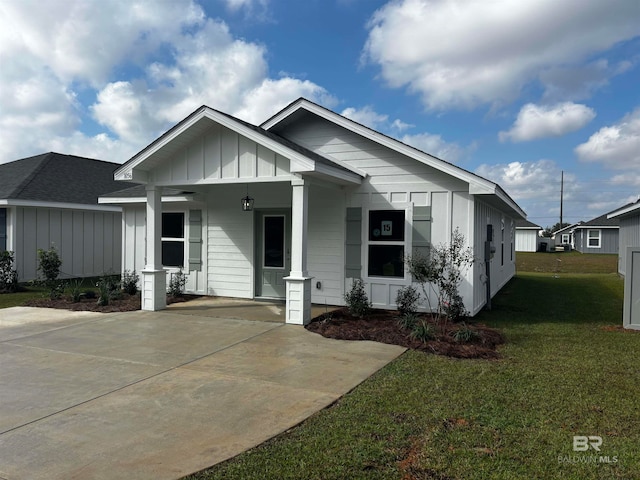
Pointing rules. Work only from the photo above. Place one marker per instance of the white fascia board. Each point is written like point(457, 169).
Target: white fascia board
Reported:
point(67, 206)
point(595, 227)
point(625, 210)
point(338, 174)
point(120, 200)
point(380, 139)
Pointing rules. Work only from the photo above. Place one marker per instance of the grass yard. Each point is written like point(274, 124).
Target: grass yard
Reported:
point(30, 292)
point(564, 372)
point(566, 262)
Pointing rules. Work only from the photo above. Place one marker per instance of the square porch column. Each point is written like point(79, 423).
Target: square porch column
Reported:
point(299, 282)
point(154, 277)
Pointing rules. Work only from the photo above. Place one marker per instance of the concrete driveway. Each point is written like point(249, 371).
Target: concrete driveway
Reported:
point(158, 395)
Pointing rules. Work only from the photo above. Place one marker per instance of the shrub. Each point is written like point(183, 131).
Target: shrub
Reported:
point(465, 334)
point(89, 294)
point(129, 282)
point(8, 274)
point(423, 331)
point(407, 300)
point(76, 292)
point(442, 272)
point(107, 288)
point(357, 300)
point(408, 321)
point(177, 284)
point(49, 267)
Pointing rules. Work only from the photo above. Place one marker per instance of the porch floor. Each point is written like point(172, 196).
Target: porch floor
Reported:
point(238, 308)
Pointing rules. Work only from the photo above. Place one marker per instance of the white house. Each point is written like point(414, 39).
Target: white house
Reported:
point(527, 236)
point(52, 200)
point(332, 200)
point(628, 217)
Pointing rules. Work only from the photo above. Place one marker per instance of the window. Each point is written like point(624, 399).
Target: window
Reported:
point(274, 241)
point(565, 238)
point(386, 243)
point(593, 238)
point(173, 239)
point(3, 229)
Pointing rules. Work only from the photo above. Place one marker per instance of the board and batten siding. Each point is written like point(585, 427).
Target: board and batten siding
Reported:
point(220, 154)
point(88, 242)
point(526, 240)
point(629, 237)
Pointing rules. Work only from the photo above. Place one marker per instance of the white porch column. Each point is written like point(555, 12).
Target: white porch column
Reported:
point(154, 280)
point(298, 281)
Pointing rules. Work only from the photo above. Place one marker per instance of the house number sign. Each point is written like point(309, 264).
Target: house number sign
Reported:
point(387, 228)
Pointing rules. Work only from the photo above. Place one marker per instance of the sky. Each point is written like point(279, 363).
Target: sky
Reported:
point(517, 91)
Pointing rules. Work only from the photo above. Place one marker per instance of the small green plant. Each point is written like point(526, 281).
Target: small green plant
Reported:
point(107, 288)
point(407, 300)
point(357, 300)
point(8, 274)
point(49, 267)
point(177, 284)
point(75, 290)
point(129, 282)
point(465, 334)
point(423, 331)
point(408, 321)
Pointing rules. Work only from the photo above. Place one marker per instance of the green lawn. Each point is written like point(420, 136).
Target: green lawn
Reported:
point(29, 291)
point(563, 373)
point(566, 262)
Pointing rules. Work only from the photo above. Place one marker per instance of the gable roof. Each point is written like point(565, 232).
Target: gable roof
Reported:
point(601, 222)
point(568, 227)
point(527, 225)
point(632, 207)
point(477, 184)
point(199, 121)
point(59, 178)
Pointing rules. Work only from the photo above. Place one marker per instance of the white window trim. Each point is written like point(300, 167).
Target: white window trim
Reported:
point(565, 238)
point(406, 243)
point(599, 237)
point(183, 240)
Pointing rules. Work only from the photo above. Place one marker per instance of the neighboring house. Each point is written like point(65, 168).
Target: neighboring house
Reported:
point(297, 208)
point(629, 234)
point(527, 236)
point(565, 236)
point(52, 200)
point(599, 235)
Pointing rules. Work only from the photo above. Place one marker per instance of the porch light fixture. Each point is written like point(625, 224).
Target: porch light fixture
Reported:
point(247, 202)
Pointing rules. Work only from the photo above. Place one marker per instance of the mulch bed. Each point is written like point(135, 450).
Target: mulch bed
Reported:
point(127, 303)
point(382, 326)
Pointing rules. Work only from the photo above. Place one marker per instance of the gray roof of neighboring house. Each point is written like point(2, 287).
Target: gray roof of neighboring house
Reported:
point(526, 224)
point(138, 191)
point(601, 221)
point(55, 177)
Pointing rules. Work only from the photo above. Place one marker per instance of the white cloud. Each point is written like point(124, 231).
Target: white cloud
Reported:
point(436, 146)
point(463, 53)
point(149, 64)
point(616, 146)
point(540, 121)
point(366, 116)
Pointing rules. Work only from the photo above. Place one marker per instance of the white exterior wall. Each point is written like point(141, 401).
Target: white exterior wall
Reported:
point(503, 268)
point(629, 237)
point(88, 242)
point(394, 182)
point(526, 240)
point(134, 243)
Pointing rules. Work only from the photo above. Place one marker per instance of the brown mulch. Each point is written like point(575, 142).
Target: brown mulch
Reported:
point(127, 303)
point(382, 326)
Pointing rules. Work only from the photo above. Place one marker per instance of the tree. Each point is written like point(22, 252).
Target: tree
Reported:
point(548, 232)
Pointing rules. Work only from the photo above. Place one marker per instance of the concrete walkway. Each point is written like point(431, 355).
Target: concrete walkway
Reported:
point(158, 395)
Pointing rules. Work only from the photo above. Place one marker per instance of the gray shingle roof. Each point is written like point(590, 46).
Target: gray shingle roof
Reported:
point(55, 177)
point(601, 221)
point(527, 224)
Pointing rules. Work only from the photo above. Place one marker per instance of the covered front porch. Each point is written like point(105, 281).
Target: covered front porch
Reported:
point(230, 243)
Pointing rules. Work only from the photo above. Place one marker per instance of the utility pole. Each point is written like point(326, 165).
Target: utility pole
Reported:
point(561, 194)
